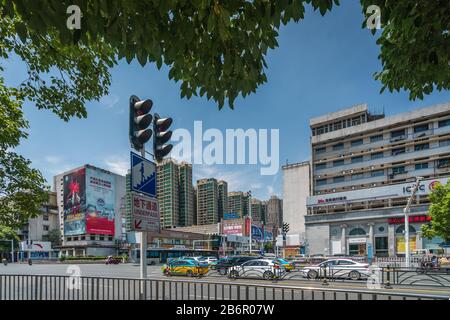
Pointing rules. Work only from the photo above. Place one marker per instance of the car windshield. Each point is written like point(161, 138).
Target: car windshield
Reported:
point(282, 261)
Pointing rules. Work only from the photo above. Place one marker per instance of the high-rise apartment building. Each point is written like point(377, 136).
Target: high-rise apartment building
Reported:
point(186, 195)
point(257, 210)
point(274, 213)
point(168, 190)
point(223, 198)
point(364, 167)
point(238, 202)
point(207, 201)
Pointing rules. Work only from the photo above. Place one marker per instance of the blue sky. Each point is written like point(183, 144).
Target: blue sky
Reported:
point(322, 64)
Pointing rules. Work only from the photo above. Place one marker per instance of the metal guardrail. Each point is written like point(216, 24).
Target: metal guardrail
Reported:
point(44, 287)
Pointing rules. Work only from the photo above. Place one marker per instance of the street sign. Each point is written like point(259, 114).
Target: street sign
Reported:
point(143, 175)
point(144, 213)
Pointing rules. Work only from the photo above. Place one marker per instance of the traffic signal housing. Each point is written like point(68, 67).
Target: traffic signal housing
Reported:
point(140, 122)
point(285, 227)
point(162, 136)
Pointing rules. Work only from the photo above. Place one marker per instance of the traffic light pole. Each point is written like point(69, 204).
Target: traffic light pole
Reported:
point(143, 262)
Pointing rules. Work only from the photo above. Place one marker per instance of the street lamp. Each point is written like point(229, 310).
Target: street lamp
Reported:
point(406, 211)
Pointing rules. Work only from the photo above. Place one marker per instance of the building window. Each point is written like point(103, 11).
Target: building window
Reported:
point(82, 238)
point(321, 182)
point(444, 163)
point(421, 128)
point(337, 163)
point(357, 159)
point(422, 146)
point(338, 179)
point(444, 143)
point(420, 166)
point(398, 151)
point(321, 166)
point(45, 217)
point(102, 238)
point(110, 238)
point(356, 143)
point(69, 239)
point(398, 170)
point(46, 228)
point(356, 121)
point(376, 155)
point(75, 238)
point(376, 138)
point(377, 173)
point(444, 123)
point(338, 146)
point(357, 232)
point(381, 246)
point(337, 126)
point(398, 134)
point(357, 176)
point(321, 150)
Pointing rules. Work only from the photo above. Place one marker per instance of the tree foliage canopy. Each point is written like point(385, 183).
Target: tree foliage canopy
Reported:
point(439, 225)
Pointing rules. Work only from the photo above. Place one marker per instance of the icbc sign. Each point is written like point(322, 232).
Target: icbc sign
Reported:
point(413, 219)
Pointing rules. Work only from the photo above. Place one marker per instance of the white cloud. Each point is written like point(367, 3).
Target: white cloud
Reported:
point(110, 101)
point(53, 159)
point(118, 164)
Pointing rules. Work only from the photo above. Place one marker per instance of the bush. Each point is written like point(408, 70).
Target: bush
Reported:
point(62, 258)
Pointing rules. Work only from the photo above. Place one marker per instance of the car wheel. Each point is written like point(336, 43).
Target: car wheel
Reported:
point(189, 273)
point(223, 271)
point(313, 274)
point(234, 274)
point(268, 275)
point(354, 275)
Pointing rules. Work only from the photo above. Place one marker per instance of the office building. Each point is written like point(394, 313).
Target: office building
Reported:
point(364, 167)
point(186, 195)
point(207, 201)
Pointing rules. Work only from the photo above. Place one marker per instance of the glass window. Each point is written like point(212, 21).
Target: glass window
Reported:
point(421, 128)
point(357, 176)
point(338, 179)
point(376, 138)
point(321, 182)
point(45, 228)
point(444, 123)
point(338, 146)
point(321, 150)
point(398, 133)
point(422, 146)
point(357, 232)
point(398, 151)
point(357, 142)
point(381, 246)
point(357, 159)
point(444, 143)
point(420, 166)
point(338, 163)
point(377, 173)
point(398, 170)
point(376, 155)
point(321, 166)
point(444, 163)
point(345, 262)
point(45, 217)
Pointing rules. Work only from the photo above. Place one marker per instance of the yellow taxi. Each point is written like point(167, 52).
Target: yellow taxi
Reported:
point(289, 266)
point(185, 267)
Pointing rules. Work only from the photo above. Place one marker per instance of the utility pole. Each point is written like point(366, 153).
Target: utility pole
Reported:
point(406, 211)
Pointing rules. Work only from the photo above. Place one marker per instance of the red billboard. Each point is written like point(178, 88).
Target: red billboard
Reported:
point(412, 219)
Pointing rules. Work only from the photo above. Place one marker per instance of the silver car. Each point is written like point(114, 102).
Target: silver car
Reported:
point(338, 268)
point(258, 268)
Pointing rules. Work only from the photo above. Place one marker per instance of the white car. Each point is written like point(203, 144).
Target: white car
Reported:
point(258, 268)
point(208, 260)
point(338, 268)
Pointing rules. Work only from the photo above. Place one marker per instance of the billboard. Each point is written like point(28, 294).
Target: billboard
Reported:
point(231, 215)
point(233, 227)
point(74, 185)
point(100, 202)
point(384, 192)
point(257, 234)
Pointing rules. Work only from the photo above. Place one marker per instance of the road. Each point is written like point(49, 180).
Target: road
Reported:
point(131, 271)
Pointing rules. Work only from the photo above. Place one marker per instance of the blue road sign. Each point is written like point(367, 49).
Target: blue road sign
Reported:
point(143, 175)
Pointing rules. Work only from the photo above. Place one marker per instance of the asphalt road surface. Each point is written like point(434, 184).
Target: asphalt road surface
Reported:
point(212, 286)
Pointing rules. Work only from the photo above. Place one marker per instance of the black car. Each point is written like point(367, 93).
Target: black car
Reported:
point(224, 264)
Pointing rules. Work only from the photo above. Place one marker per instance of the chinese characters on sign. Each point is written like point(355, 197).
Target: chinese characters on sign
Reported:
point(145, 214)
point(412, 219)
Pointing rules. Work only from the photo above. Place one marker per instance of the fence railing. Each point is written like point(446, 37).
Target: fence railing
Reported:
point(44, 287)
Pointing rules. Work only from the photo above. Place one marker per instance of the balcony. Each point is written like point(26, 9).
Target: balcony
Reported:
point(398, 138)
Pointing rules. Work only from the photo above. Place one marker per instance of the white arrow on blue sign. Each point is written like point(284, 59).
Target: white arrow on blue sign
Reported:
point(143, 175)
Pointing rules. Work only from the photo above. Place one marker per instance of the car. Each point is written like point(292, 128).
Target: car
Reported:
point(257, 268)
point(208, 260)
point(224, 264)
point(185, 267)
point(338, 268)
point(289, 266)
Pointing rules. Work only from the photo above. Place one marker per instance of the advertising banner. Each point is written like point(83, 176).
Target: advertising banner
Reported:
point(100, 200)
point(230, 216)
point(233, 227)
point(145, 213)
point(74, 203)
point(385, 192)
point(257, 234)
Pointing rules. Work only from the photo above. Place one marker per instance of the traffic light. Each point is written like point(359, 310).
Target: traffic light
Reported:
point(162, 136)
point(140, 121)
point(285, 227)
